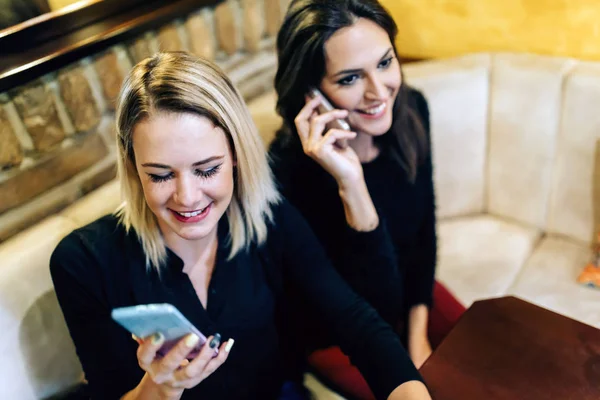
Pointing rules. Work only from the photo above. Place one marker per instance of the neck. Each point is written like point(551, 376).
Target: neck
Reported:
point(364, 147)
point(192, 252)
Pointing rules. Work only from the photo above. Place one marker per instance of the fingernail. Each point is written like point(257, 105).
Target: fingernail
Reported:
point(157, 338)
point(216, 340)
point(135, 337)
point(229, 345)
point(191, 340)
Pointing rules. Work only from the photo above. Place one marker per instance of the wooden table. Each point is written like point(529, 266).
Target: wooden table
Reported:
point(508, 349)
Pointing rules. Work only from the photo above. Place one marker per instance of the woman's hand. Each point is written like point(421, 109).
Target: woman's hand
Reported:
point(329, 149)
point(169, 376)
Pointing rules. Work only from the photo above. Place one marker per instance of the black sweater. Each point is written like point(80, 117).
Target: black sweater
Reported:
point(393, 266)
point(100, 267)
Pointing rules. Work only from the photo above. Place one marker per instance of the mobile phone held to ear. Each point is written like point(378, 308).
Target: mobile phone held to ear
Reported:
point(146, 320)
point(326, 106)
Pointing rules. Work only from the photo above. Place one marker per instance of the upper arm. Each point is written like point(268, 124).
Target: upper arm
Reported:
point(370, 343)
point(105, 351)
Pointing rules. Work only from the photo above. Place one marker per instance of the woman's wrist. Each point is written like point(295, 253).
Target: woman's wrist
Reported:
point(360, 211)
point(147, 389)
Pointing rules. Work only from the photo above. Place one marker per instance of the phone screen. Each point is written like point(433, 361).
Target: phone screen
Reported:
point(146, 320)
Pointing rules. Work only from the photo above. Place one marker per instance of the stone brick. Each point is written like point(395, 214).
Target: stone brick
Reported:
point(227, 29)
point(11, 153)
point(37, 109)
point(111, 77)
point(253, 25)
point(77, 95)
point(66, 163)
point(169, 40)
point(201, 41)
point(21, 218)
point(100, 177)
point(274, 16)
point(139, 49)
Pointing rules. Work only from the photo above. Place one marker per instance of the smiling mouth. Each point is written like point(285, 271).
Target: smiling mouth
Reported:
point(374, 110)
point(190, 214)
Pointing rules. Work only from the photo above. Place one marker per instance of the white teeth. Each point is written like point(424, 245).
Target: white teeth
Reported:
point(375, 110)
point(190, 214)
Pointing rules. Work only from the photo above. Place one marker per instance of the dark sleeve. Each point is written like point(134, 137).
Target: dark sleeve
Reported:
point(366, 260)
point(370, 343)
point(421, 277)
point(106, 352)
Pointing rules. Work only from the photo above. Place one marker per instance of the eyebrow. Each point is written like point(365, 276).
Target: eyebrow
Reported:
point(196, 164)
point(354, 71)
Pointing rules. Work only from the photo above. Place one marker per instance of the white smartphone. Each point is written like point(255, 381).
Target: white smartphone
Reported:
point(148, 319)
point(326, 106)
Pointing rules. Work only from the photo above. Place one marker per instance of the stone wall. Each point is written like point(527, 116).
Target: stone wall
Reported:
point(57, 132)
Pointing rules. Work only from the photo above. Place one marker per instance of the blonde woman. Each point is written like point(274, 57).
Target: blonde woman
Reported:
point(203, 228)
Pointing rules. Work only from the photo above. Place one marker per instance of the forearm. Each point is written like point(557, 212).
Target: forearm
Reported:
point(418, 318)
point(148, 390)
point(411, 390)
point(359, 209)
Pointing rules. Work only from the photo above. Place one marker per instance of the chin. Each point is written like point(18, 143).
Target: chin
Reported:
point(195, 233)
point(378, 129)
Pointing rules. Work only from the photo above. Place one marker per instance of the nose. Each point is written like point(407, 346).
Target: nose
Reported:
point(186, 193)
point(376, 89)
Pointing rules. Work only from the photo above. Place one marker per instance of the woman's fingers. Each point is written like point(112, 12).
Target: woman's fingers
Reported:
point(146, 352)
point(319, 148)
point(171, 362)
point(203, 365)
point(338, 135)
point(216, 362)
point(318, 123)
point(174, 369)
point(206, 354)
point(304, 116)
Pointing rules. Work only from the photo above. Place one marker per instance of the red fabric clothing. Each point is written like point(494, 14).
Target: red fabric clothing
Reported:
point(334, 367)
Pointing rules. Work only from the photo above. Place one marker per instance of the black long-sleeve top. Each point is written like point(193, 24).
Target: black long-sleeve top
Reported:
point(100, 267)
point(393, 266)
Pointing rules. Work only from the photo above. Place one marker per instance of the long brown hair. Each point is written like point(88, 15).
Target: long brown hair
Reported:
point(307, 26)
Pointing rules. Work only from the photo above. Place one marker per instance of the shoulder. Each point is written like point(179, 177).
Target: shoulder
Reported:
point(284, 213)
point(287, 224)
point(290, 166)
point(99, 233)
point(284, 144)
point(92, 244)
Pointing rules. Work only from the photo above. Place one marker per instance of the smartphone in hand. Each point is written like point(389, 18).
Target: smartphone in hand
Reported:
point(148, 319)
point(326, 106)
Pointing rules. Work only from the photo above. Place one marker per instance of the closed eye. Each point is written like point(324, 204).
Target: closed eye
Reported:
point(202, 173)
point(160, 178)
point(207, 173)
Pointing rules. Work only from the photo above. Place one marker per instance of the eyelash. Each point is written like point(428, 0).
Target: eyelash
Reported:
point(204, 174)
point(350, 79)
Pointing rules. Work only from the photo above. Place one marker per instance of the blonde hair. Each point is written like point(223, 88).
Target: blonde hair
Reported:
point(179, 82)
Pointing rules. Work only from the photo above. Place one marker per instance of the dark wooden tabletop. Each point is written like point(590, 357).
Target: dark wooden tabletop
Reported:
point(508, 349)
